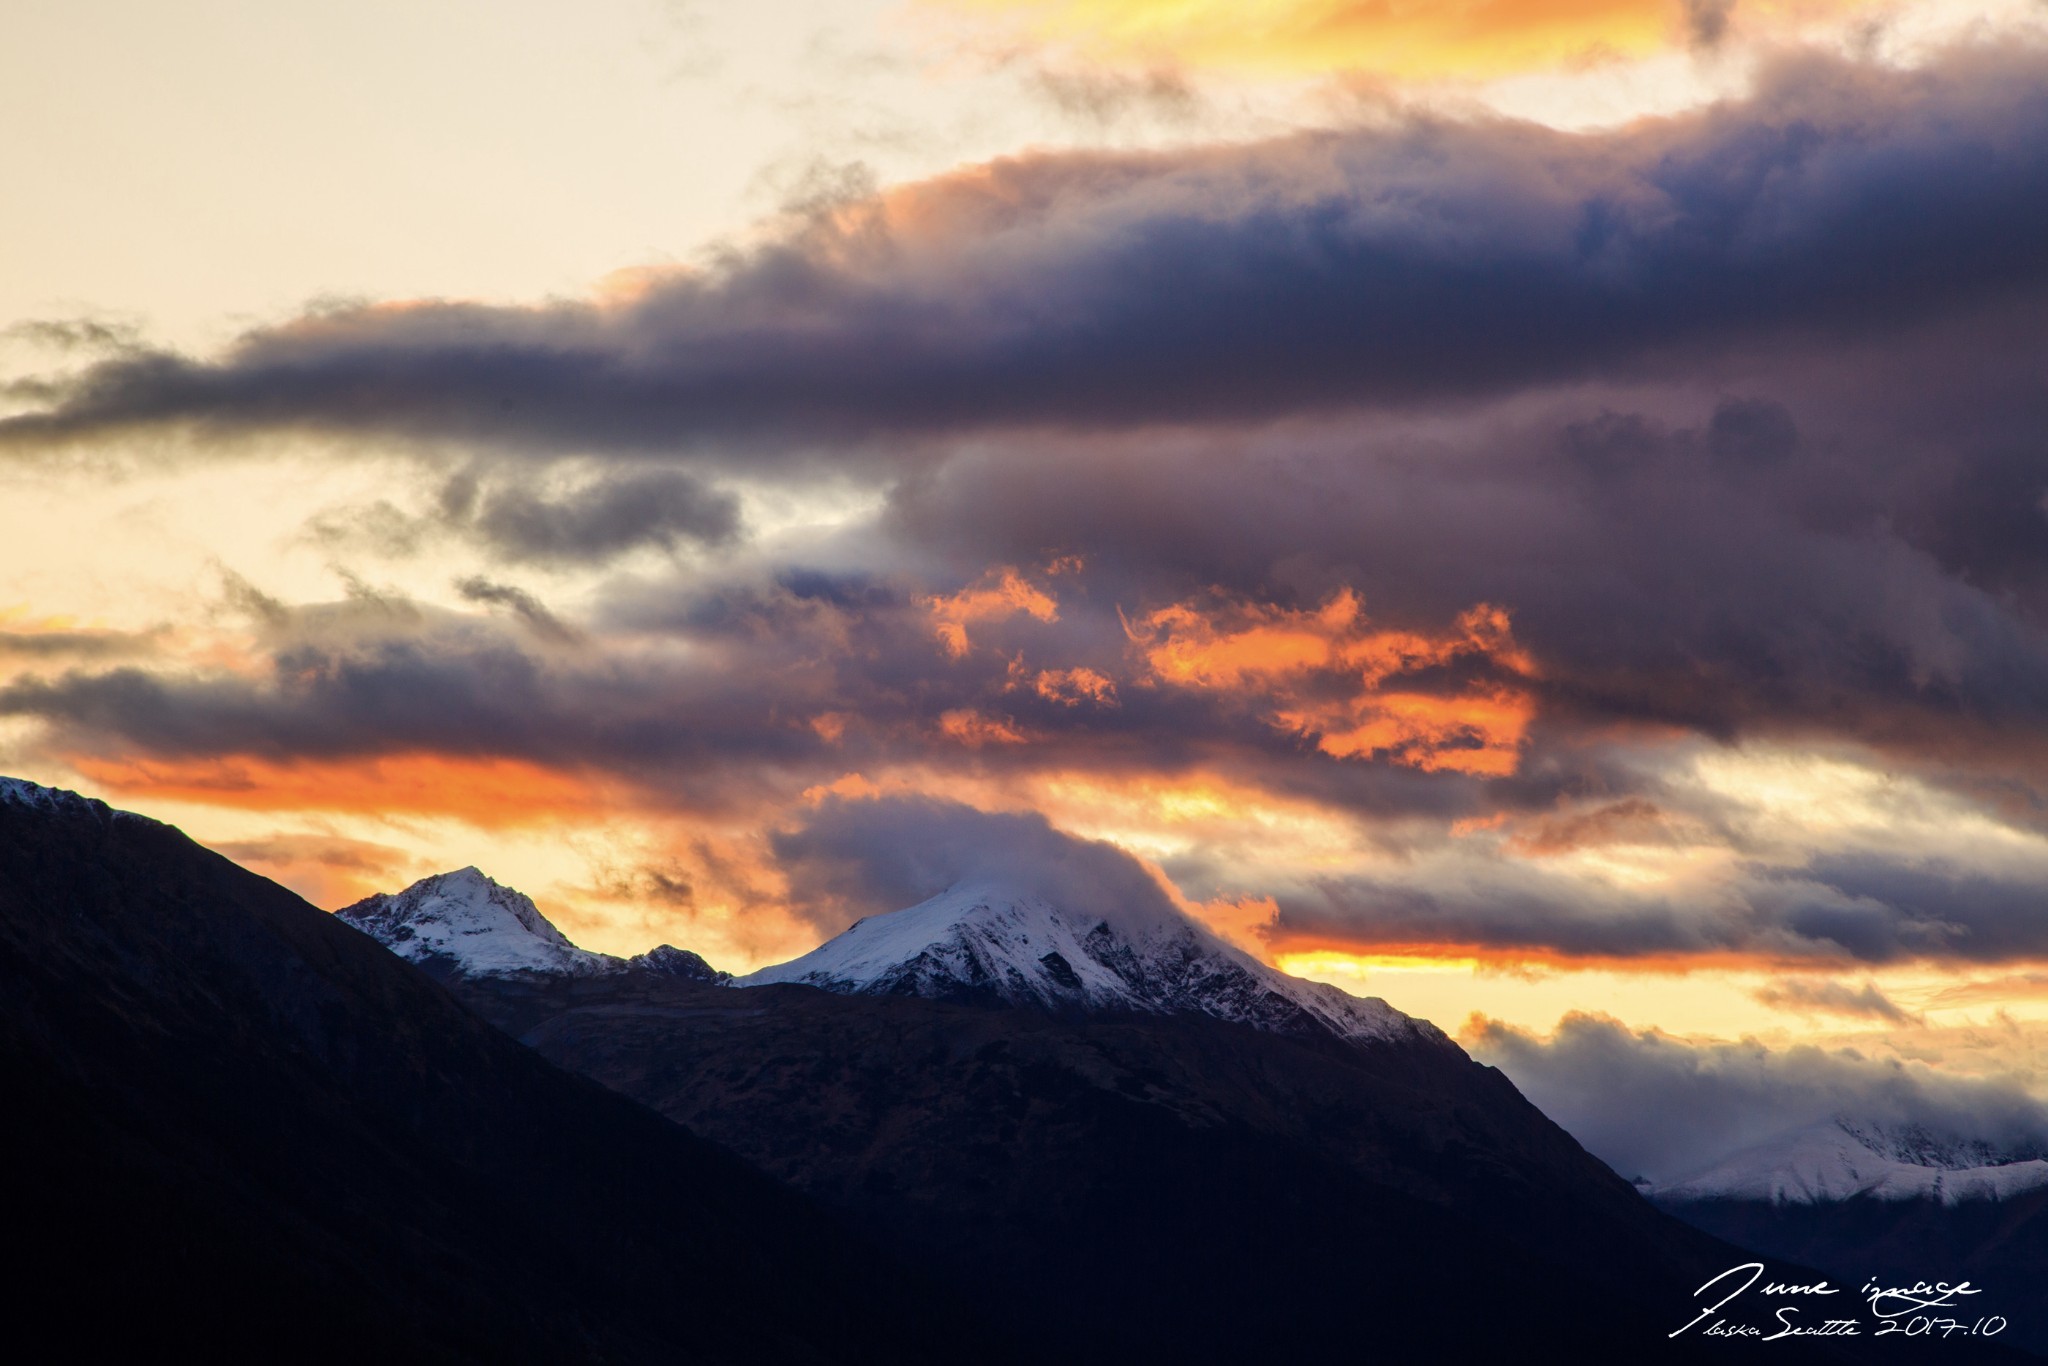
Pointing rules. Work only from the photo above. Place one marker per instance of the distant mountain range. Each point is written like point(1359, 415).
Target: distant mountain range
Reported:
point(1845, 1159)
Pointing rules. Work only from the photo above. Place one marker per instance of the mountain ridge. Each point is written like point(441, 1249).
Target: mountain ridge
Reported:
point(243, 1131)
point(1843, 1159)
point(982, 941)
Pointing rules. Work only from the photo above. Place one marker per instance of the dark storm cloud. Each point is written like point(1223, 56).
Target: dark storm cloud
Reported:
point(1744, 565)
point(1883, 908)
point(1653, 1106)
point(1389, 265)
point(852, 858)
point(322, 701)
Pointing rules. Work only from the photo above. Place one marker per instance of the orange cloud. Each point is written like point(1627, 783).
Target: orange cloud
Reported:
point(974, 730)
point(996, 596)
point(484, 792)
point(1443, 38)
point(327, 870)
point(1315, 955)
point(1074, 686)
point(1325, 674)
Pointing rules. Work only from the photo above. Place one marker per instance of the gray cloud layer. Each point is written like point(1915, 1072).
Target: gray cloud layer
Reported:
point(1427, 260)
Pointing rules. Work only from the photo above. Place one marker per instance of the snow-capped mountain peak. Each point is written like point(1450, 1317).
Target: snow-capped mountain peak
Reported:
point(986, 942)
point(1842, 1159)
point(467, 923)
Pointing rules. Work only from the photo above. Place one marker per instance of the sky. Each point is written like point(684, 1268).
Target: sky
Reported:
point(1533, 509)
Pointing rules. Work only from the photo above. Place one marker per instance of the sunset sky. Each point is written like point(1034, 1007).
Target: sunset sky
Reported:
point(1533, 509)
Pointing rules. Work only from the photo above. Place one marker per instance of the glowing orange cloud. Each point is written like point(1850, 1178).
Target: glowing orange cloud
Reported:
point(1313, 955)
point(1270, 656)
point(1440, 38)
point(1072, 687)
point(327, 870)
point(484, 792)
point(974, 730)
point(996, 596)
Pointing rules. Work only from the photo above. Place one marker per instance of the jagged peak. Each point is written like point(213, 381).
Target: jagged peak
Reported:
point(37, 797)
point(994, 941)
point(468, 922)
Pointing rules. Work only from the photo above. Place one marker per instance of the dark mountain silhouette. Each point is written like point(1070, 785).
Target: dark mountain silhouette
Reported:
point(1144, 1188)
point(241, 1131)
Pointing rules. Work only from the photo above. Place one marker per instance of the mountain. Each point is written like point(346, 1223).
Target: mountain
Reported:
point(979, 943)
point(1860, 1199)
point(1843, 1160)
point(1124, 1141)
point(987, 944)
point(464, 924)
point(238, 1130)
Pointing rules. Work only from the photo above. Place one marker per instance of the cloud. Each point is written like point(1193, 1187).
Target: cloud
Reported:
point(519, 518)
point(850, 857)
point(1801, 997)
point(1324, 272)
point(524, 605)
point(1000, 594)
point(1472, 40)
point(1655, 1106)
point(1448, 496)
point(599, 520)
point(51, 643)
point(76, 334)
point(1376, 697)
point(1708, 565)
point(1706, 21)
point(1902, 912)
point(328, 870)
point(1104, 98)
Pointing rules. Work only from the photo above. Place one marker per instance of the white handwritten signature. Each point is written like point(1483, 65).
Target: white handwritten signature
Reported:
point(1887, 1303)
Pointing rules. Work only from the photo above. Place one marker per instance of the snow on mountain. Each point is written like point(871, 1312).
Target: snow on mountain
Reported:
point(975, 942)
point(465, 924)
point(473, 925)
point(980, 941)
point(1842, 1159)
point(22, 792)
